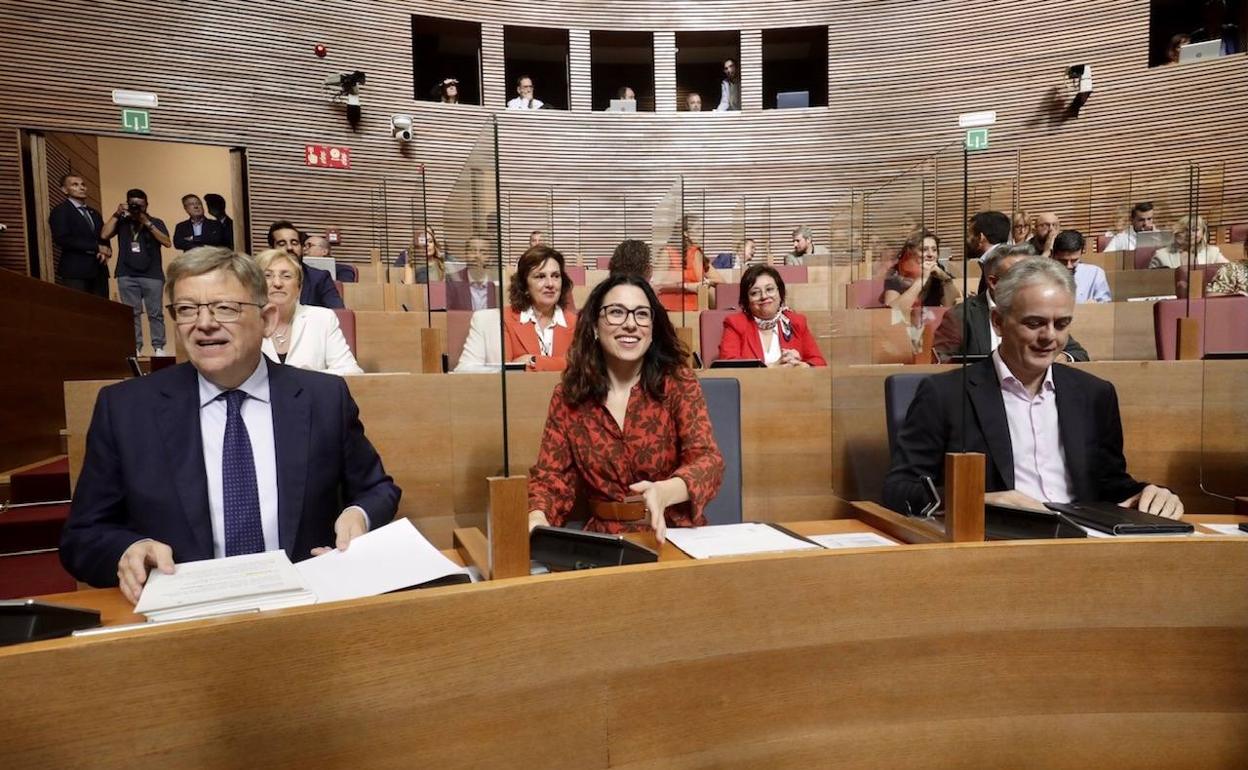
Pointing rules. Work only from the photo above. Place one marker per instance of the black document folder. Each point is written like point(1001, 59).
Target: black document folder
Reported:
point(1116, 520)
point(568, 549)
point(1003, 522)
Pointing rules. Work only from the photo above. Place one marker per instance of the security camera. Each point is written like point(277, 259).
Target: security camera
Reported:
point(401, 127)
point(1080, 76)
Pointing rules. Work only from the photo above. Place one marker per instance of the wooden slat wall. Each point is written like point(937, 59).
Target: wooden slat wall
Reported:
point(243, 74)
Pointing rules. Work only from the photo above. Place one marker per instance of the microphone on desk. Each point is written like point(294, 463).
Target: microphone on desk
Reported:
point(404, 306)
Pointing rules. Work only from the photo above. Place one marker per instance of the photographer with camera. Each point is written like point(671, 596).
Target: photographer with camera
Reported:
point(140, 274)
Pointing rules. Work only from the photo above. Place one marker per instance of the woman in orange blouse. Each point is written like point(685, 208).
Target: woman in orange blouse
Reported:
point(628, 420)
point(695, 269)
point(539, 323)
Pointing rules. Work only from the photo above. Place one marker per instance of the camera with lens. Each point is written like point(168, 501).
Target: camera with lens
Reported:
point(134, 210)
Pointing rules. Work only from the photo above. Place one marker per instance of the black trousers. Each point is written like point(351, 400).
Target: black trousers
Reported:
point(97, 285)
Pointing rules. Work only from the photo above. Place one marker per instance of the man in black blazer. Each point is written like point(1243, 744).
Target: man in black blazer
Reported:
point(1051, 433)
point(318, 285)
point(216, 210)
point(197, 230)
point(230, 453)
point(979, 340)
point(76, 232)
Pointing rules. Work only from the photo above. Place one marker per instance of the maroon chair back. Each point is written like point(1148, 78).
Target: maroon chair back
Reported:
point(1223, 324)
point(865, 293)
point(345, 271)
point(793, 273)
point(338, 286)
point(437, 295)
point(710, 332)
point(1144, 255)
point(1182, 282)
point(457, 322)
point(576, 273)
point(1238, 233)
point(726, 296)
point(1102, 241)
point(603, 263)
point(346, 322)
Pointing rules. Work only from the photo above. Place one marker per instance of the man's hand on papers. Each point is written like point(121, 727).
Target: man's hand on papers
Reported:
point(1156, 500)
point(134, 563)
point(350, 524)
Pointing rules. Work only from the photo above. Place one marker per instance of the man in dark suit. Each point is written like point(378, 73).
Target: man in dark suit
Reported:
point(216, 210)
point(1051, 433)
point(980, 340)
point(197, 230)
point(318, 285)
point(471, 288)
point(230, 453)
point(76, 232)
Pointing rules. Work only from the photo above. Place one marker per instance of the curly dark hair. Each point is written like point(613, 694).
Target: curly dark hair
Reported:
point(750, 277)
point(518, 290)
point(632, 257)
point(585, 378)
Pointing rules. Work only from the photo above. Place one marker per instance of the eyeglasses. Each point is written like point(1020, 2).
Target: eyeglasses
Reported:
point(285, 275)
point(221, 311)
point(769, 291)
point(616, 315)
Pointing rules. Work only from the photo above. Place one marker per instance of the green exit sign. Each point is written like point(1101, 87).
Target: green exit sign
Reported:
point(977, 139)
point(135, 121)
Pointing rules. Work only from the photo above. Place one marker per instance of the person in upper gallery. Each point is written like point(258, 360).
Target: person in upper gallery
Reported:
point(1020, 228)
point(803, 247)
point(76, 232)
point(631, 257)
point(1179, 253)
point(447, 91)
point(196, 230)
point(473, 288)
point(1174, 49)
point(982, 337)
point(538, 323)
point(226, 454)
point(626, 93)
point(1050, 432)
point(918, 279)
point(216, 209)
point(537, 238)
point(432, 266)
point(1141, 222)
point(693, 102)
point(1091, 283)
point(766, 329)
point(729, 88)
point(628, 419)
point(304, 336)
point(1044, 230)
point(1217, 26)
point(140, 269)
point(989, 231)
point(524, 99)
point(318, 287)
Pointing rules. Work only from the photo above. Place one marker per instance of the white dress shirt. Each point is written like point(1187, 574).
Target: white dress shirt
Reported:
point(771, 353)
point(519, 103)
point(1123, 241)
point(480, 294)
point(257, 413)
point(545, 337)
point(1091, 284)
point(1035, 437)
point(994, 338)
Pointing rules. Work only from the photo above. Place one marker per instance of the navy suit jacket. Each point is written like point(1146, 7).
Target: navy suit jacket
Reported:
point(78, 241)
point(319, 289)
point(143, 474)
point(212, 234)
point(1087, 416)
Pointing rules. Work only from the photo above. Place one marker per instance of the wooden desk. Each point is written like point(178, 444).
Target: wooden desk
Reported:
point(1041, 654)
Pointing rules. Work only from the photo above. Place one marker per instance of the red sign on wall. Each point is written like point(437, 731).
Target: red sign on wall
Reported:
point(326, 157)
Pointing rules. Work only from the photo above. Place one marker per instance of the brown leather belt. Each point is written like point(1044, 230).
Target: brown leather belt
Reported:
point(602, 509)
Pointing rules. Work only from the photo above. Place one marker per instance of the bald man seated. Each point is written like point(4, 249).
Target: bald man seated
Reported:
point(1051, 433)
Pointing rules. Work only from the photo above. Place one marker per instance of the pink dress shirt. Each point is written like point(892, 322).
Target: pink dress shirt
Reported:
point(1039, 458)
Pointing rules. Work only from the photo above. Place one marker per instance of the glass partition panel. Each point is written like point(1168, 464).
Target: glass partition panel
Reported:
point(673, 256)
point(529, 219)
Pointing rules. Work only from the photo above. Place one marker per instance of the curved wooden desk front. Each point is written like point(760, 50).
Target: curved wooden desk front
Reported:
point(1037, 654)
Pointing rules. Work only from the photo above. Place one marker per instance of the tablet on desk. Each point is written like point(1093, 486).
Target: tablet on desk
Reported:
point(568, 549)
point(1006, 522)
point(737, 363)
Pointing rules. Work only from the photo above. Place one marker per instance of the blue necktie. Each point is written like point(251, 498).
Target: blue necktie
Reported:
point(240, 493)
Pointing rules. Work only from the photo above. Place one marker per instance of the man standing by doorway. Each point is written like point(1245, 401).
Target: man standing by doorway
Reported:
point(76, 231)
point(216, 210)
point(197, 230)
point(140, 274)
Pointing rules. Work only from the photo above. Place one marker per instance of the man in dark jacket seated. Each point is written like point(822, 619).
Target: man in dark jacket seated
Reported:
point(1051, 433)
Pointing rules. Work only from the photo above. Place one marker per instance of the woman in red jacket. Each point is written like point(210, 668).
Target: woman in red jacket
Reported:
point(765, 329)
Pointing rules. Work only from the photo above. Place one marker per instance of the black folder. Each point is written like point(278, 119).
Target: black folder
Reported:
point(1116, 520)
point(1004, 522)
point(27, 620)
point(568, 549)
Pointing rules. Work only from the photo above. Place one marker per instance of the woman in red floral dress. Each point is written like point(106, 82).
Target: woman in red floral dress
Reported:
point(627, 424)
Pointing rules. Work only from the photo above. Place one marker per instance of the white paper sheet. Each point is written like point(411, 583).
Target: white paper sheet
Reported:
point(852, 540)
point(733, 540)
point(262, 580)
point(388, 558)
point(1226, 529)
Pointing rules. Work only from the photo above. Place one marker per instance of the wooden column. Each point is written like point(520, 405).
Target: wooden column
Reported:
point(1187, 341)
point(580, 85)
point(432, 346)
point(750, 70)
point(665, 72)
point(964, 497)
point(508, 523)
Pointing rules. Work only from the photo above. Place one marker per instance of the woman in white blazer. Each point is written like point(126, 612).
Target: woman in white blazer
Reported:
point(306, 337)
point(483, 349)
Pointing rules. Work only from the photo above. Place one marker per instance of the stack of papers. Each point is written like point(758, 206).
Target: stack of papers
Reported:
point(852, 540)
point(735, 540)
point(391, 558)
point(1226, 529)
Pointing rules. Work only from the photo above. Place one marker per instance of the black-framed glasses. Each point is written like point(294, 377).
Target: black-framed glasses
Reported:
point(221, 311)
point(616, 315)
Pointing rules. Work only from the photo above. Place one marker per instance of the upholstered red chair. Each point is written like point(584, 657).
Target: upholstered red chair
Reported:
point(1237, 233)
point(710, 332)
point(1144, 255)
point(865, 293)
point(603, 263)
point(1181, 281)
point(576, 273)
point(1102, 241)
point(457, 322)
point(793, 273)
point(726, 296)
point(1223, 324)
point(346, 321)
